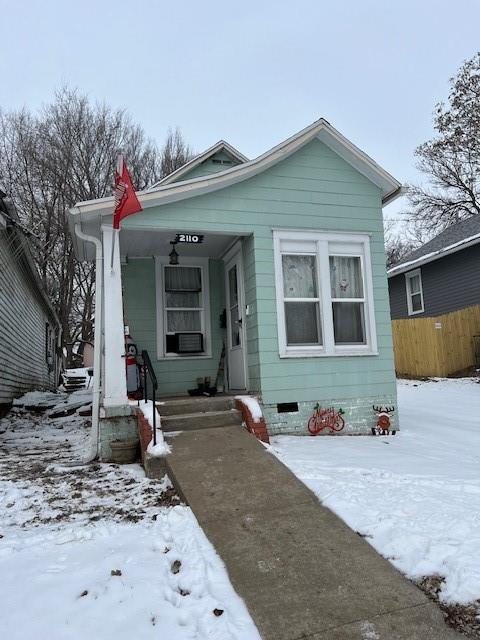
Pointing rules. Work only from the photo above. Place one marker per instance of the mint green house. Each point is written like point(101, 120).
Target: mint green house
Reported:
point(280, 259)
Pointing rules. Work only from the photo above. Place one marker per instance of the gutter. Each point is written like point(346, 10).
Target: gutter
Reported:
point(97, 338)
point(401, 191)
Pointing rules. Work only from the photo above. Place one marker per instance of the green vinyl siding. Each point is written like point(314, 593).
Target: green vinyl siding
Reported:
point(312, 189)
point(175, 376)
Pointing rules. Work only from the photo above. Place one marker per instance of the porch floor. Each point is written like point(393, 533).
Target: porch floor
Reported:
point(301, 571)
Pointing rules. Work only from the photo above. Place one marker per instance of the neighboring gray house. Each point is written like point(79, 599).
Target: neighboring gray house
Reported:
point(441, 276)
point(29, 328)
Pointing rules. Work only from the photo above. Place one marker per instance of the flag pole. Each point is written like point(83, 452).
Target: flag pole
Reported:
point(126, 202)
point(114, 240)
point(118, 174)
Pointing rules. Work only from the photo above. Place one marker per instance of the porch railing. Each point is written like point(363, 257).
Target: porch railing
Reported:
point(148, 372)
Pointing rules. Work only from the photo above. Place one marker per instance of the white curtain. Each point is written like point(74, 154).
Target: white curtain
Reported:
point(299, 278)
point(303, 323)
point(183, 321)
point(346, 282)
point(346, 277)
point(183, 279)
point(348, 322)
point(183, 286)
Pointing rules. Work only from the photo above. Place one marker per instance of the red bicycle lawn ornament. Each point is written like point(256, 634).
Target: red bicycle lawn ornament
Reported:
point(326, 419)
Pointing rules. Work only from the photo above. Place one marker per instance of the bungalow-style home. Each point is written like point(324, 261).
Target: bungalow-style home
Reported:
point(29, 327)
point(435, 303)
point(279, 259)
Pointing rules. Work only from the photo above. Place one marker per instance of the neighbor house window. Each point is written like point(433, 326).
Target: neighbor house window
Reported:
point(324, 294)
point(413, 281)
point(182, 305)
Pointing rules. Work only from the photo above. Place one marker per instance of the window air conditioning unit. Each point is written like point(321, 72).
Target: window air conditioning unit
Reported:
point(185, 343)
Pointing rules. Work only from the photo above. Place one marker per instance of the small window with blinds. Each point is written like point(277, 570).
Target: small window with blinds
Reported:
point(184, 310)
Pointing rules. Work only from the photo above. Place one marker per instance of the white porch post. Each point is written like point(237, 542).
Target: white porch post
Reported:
point(114, 382)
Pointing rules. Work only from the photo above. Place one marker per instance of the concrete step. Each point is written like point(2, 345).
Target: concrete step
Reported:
point(201, 420)
point(200, 404)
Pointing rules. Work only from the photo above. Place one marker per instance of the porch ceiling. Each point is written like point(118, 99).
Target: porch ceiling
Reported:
point(142, 243)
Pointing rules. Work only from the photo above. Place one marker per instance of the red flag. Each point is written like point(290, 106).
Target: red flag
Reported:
point(126, 201)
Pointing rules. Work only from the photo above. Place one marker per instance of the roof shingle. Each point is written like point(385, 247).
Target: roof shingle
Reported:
point(451, 236)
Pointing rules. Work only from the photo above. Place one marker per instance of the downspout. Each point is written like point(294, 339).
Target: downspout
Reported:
point(97, 339)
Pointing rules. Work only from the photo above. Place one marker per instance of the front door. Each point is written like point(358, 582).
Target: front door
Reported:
point(235, 306)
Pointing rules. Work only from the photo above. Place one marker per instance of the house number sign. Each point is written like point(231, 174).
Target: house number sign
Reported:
point(189, 238)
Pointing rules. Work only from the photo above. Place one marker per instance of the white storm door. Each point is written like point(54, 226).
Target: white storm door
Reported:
point(235, 306)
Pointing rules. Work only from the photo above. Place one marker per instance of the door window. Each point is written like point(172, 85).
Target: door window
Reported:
point(235, 333)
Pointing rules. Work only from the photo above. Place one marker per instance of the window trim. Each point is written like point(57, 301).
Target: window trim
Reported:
point(317, 243)
point(202, 263)
point(408, 287)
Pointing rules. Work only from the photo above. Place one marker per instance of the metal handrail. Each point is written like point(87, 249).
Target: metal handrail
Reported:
point(148, 370)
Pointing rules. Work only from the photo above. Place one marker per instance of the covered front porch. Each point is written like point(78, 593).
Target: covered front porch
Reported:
point(184, 302)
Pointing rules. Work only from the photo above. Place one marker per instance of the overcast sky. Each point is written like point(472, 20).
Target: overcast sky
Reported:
point(251, 72)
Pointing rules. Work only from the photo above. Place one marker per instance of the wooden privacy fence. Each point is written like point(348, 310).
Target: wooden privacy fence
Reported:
point(436, 346)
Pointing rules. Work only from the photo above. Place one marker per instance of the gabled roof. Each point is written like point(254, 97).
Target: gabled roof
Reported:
point(455, 238)
point(321, 129)
point(219, 146)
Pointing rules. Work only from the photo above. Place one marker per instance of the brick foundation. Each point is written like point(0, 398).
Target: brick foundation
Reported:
point(358, 414)
point(155, 466)
point(259, 429)
point(145, 433)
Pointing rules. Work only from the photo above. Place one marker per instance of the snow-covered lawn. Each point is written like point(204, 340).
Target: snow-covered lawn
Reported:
point(99, 551)
point(415, 496)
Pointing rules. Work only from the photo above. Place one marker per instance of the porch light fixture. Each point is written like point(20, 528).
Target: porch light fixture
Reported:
point(173, 255)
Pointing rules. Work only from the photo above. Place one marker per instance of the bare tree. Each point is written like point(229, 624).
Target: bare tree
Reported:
point(451, 160)
point(65, 154)
point(400, 242)
point(175, 153)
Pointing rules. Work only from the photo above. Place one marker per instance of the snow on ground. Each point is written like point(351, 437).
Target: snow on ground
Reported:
point(415, 496)
point(99, 550)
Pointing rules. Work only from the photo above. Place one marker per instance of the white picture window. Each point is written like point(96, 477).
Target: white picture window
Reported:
point(413, 282)
point(324, 294)
point(182, 304)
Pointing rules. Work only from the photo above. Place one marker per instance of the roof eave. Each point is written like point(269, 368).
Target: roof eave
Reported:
point(393, 195)
point(166, 193)
point(419, 262)
point(221, 145)
point(29, 261)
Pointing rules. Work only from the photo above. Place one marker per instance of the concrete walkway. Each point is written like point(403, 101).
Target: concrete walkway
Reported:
point(303, 574)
